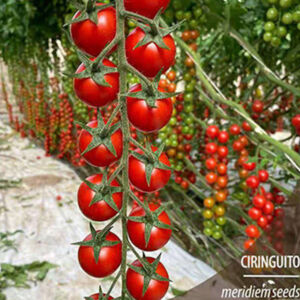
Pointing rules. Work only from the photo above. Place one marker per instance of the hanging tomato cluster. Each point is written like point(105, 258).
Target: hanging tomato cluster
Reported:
point(216, 164)
point(104, 142)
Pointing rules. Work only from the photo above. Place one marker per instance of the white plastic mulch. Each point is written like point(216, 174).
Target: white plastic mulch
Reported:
point(50, 228)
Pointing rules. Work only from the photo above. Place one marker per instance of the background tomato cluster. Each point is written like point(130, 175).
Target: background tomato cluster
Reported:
point(237, 74)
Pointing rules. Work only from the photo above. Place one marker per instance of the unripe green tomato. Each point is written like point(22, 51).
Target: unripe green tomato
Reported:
point(178, 167)
point(217, 235)
point(188, 97)
point(285, 3)
point(173, 137)
point(174, 112)
point(197, 12)
point(173, 121)
point(221, 221)
point(296, 16)
point(179, 15)
point(208, 223)
point(272, 13)
point(189, 87)
point(268, 36)
point(174, 143)
point(207, 231)
point(193, 23)
point(269, 26)
point(188, 108)
point(188, 15)
point(275, 41)
point(187, 77)
point(287, 18)
point(189, 121)
point(185, 130)
point(217, 227)
point(281, 31)
point(168, 142)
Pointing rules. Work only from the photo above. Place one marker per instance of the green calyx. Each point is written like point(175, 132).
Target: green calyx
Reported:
point(103, 192)
point(151, 160)
point(98, 241)
point(88, 11)
point(150, 92)
point(95, 70)
point(101, 135)
point(148, 270)
point(150, 220)
point(155, 33)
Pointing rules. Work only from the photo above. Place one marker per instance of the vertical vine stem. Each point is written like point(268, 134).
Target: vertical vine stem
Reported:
point(126, 134)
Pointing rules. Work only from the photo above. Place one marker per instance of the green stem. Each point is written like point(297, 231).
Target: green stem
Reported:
point(126, 134)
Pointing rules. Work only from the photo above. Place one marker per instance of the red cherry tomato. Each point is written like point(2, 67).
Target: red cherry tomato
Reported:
point(99, 211)
point(156, 289)
point(252, 182)
point(259, 201)
point(252, 231)
point(211, 163)
point(211, 178)
point(109, 258)
point(211, 148)
point(249, 244)
point(137, 174)
point(279, 213)
point(249, 166)
point(268, 209)
point(223, 137)
point(246, 126)
point(91, 38)
point(254, 213)
point(158, 236)
point(146, 8)
point(146, 118)
point(222, 151)
point(262, 222)
point(222, 168)
point(257, 106)
point(296, 121)
point(235, 129)
point(149, 59)
point(100, 156)
point(212, 131)
point(94, 94)
point(263, 175)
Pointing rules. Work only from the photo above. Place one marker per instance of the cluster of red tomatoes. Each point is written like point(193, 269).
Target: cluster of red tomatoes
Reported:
point(101, 142)
point(216, 176)
point(263, 210)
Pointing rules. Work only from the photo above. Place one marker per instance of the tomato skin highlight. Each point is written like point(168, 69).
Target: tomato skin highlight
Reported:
point(91, 38)
point(146, 8)
point(93, 94)
point(100, 156)
point(149, 59)
point(146, 118)
point(156, 289)
point(99, 211)
point(158, 237)
point(137, 174)
point(109, 259)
